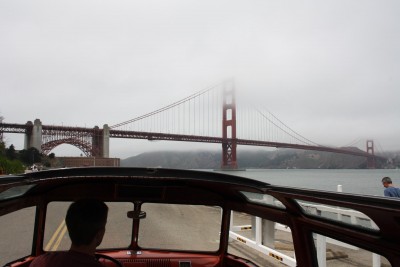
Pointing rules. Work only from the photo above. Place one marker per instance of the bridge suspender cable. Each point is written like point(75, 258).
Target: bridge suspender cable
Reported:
point(294, 134)
point(169, 106)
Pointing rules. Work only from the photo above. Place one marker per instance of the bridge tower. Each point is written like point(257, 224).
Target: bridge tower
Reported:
point(229, 160)
point(370, 150)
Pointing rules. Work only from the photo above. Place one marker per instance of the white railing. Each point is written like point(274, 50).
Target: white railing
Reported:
point(316, 209)
point(257, 244)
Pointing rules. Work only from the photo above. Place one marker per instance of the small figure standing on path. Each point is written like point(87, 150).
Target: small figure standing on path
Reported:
point(390, 190)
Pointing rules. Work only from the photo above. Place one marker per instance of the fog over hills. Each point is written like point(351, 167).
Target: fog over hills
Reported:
point(278, 159)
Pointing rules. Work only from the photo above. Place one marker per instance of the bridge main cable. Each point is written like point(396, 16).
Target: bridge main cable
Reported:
point(177, 103)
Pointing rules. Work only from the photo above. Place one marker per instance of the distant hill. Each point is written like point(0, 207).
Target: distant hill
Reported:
point(278, 159)
point(173, 159)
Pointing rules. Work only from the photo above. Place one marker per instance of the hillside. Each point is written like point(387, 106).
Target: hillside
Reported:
point(278, 159)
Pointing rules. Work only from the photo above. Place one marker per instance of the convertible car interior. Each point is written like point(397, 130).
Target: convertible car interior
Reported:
point(183, 218)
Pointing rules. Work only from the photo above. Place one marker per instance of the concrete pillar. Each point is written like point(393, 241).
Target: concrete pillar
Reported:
point(34, 138)
point(27, 137)
point(37, 135)
point(106, 141)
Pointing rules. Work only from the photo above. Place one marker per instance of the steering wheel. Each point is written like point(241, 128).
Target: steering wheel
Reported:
point(115, 261)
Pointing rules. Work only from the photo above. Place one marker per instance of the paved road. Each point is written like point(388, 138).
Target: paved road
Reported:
point(16, 232)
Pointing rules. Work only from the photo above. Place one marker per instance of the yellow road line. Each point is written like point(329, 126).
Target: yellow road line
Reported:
point(62, 224)
point(55, 247)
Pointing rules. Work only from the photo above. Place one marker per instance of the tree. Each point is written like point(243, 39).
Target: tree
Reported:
point(9, 165)
point(2, 148)
point(10, 153)
point(30, 156)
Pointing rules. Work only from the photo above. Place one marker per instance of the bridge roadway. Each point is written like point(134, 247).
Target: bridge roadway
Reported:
point(77, 131)
point(26, 128)
point(219, 140)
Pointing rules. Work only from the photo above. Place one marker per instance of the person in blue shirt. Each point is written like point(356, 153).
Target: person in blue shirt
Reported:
point(390, 190)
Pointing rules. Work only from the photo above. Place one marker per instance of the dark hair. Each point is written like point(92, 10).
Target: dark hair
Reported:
point(85, 218)
point(386, 180)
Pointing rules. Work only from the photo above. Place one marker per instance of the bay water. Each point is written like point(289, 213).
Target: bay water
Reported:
point(360, 181)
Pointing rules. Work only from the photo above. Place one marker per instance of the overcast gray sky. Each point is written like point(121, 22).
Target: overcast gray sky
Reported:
point(328, 69)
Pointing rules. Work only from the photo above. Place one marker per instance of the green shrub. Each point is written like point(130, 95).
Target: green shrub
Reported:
point(11, 166)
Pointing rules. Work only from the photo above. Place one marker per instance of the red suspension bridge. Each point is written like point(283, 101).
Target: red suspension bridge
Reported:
point(212, 115)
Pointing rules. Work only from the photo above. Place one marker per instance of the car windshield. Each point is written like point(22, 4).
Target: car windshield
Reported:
point(165, 226)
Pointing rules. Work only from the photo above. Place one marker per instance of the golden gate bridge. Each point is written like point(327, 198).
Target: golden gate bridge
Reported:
point(212, 115)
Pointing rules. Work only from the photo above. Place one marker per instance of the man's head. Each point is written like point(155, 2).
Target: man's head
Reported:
point(86, 220)
point(386, 181)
